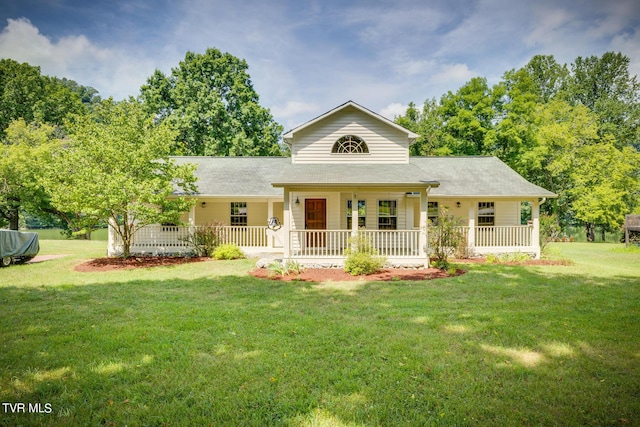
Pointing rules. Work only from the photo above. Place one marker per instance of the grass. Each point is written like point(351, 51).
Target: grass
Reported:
point(56, 234)
point(205, 344)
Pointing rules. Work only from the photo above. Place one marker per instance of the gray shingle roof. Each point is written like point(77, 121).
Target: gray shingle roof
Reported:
point(457, 176)
point(477, 176)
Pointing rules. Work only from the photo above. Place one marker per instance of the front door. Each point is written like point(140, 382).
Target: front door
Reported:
point(315, 218)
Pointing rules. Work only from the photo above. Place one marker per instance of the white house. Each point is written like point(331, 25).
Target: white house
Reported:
point(350, 172)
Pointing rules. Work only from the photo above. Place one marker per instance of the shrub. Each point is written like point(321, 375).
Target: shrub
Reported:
point(445, 238)
point(228, 251)
point(362, 257)
point(204, 240)
point(549, 230)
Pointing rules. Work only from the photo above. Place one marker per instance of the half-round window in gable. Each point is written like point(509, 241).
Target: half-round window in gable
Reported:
point(350, 144)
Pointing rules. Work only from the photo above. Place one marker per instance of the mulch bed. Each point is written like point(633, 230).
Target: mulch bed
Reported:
point(109, 264)
point(339, 275)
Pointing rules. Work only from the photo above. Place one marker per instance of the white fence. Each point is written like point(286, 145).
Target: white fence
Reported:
point(160, 239)
point(514, 236)
point(332, 243)
point(172, 239)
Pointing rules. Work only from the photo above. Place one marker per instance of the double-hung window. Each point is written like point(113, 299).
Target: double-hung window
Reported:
point(238, 213)
point(362, 214)
point(387, 214)
point(486, 214)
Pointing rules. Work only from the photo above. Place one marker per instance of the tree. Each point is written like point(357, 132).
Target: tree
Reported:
point(605, 186)
point(427, 123)
point(210, 100)
point(468, 117)
point(116, 167)
point(26, 149)
point(26, 94)
point(607, 88)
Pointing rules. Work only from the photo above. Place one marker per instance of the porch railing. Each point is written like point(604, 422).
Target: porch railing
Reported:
point(174, 239)
point(332, 243)
point(500, 236)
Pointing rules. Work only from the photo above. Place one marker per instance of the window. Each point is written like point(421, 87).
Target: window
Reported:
point(486, 214)
point(350, 144)
point(432, 212)
point(362, 214)
point(387, 215)
point(239, 213)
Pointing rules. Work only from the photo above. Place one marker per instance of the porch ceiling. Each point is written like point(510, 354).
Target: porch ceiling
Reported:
point(348, 175)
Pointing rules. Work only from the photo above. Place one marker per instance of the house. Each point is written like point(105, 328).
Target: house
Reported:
point(350, 172)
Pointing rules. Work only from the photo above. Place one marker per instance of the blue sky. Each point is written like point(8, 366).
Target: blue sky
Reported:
point(306, 57)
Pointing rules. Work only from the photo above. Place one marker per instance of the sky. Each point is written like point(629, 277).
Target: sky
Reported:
point(307, 57)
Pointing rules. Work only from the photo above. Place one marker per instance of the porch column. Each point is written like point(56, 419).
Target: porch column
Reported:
point(286, 224)
point(535, 216)
point(471, 239)
point(192, 218)
point(424, 232)
point(354, 214)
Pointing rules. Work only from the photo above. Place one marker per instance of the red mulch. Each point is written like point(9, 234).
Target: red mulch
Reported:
point(108, 264)
point(339, 275)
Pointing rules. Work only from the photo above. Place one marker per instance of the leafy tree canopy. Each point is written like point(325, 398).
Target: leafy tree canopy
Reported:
point(28, 95)
point(115, 167)
point(209, 99)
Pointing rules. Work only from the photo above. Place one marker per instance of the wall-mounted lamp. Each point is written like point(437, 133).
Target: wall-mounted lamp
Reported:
point(203, 204)
point(297, 202)
point(457, 204)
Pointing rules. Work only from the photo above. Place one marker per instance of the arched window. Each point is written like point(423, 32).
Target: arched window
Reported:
point(350, 144)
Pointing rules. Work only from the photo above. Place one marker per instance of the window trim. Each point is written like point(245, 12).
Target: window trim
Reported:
point(239, 219)
point(487, 219)
point(340, 144)
point(391, 225)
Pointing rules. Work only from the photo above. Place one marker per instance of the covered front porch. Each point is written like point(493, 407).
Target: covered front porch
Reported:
point(314, 225)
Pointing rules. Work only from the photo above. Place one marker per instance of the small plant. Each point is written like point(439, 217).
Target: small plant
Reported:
point(228, 251)
point(452, 270)
point(549, 230)
point(277, 268)
point(445, 238)
point(204, 240)
point(282, 269)
point(492, 259)
point(362, 257)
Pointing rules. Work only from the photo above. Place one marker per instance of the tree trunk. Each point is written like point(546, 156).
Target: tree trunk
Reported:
point(14, 219)
point(590, 231)
point(603, 236)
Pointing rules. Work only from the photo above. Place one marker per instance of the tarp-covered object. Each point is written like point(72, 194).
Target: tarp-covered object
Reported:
point(18, 245)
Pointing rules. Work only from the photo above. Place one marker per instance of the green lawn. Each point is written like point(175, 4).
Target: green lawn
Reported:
point(205, 344)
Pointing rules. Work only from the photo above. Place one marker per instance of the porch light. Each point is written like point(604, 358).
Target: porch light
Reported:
point(457, 204)
point(297, 202)
point(203, 204)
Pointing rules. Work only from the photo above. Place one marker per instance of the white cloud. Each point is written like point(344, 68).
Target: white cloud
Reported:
point(453, 73)
point(112, 72)
point(394, 110)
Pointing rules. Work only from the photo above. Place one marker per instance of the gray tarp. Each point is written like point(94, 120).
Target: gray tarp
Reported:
point(18, 244)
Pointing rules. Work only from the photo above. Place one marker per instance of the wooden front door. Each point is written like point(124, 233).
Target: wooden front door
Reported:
point(315, 218)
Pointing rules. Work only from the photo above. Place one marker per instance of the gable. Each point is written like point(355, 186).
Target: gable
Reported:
point(314, 142)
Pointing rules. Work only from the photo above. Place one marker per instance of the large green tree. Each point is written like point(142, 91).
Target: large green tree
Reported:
point(26, 94)
point(606, 86)
point(116, 167)
point(26, 148)
point(210, 100)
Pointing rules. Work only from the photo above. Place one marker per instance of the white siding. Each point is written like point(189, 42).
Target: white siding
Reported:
point(386, 144)
point(507, 213)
